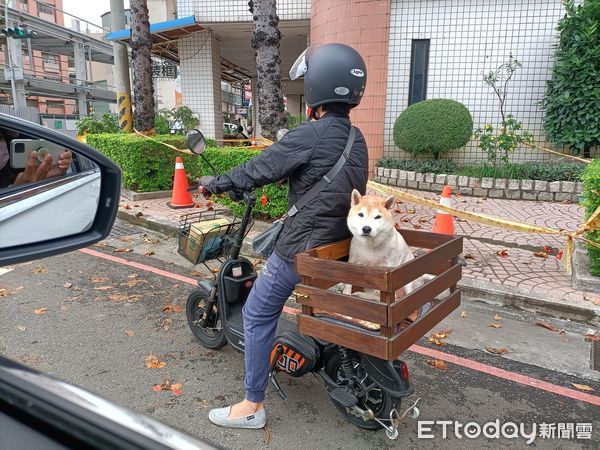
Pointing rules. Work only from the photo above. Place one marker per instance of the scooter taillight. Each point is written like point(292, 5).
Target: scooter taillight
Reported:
point(404, 371)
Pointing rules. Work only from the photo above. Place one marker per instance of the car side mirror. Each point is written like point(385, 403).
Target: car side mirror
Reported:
point(44, 213)
point(195, 141)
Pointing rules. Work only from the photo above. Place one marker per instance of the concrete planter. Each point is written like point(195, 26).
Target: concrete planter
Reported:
point(555, 191)
point(133, 196)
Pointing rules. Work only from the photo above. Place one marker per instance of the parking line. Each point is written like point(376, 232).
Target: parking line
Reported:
point(453, 359)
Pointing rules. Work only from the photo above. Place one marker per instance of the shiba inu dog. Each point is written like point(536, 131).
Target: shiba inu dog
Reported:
point(375, 241)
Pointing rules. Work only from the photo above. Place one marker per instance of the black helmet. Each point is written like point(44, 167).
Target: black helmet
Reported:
point(333, 73)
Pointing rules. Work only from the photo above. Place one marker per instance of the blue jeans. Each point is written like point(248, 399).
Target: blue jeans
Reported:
point(261, 314)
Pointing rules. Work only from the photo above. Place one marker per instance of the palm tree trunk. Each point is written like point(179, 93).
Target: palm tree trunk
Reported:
point(143, 89)
point(265, 42)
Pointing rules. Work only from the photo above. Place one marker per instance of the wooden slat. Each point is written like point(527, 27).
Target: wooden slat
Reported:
point(413, 269)
point(401, 309)
point(349, 305)
point(416, 330)
point(342, 272)
point(334, 251)
point(360, 341)
point(424, 239)
point(315, 282)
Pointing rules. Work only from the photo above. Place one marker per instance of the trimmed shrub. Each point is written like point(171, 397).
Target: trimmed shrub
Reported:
point(429, 166)
point(591, 192)
point(148, 166)
point(433, 127)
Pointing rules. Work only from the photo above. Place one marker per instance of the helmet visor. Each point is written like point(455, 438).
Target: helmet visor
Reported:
point(300, 67)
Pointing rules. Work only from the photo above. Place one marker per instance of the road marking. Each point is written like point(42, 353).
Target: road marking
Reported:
point(459, 361)
point(4, 270)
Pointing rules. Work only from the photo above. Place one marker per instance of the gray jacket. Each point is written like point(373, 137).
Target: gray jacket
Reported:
point(303, 156)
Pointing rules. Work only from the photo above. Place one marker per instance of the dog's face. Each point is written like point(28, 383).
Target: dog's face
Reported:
point(370, 215)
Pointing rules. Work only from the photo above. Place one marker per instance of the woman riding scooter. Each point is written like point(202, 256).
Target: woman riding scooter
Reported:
point(334, 82)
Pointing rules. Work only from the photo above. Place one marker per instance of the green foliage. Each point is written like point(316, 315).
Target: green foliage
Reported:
point(148, 166)
point(225, 159)
point(185, 117)
point(428, 166)
point(294, 120)
point(161, 121)
point(572, 101)
point(591, 192)
point(96, 124)
point(433, 127)
point(498, 146)
point(528, 171)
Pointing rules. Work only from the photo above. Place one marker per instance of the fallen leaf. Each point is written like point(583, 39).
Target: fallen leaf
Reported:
point(540, 254)
point(150, 253)
point(118, 298)
point(139, 214)
point(21, 328)
point(405, 220)
point(133, 275)
point(436, 341)
point(497, 317)
point(203, 403)
point(417, 226)
point(461, 220)
point(40, 270)
point(40, 311)
point(100, 280)
point(129, 333)
point(167, 323)
point(582, 387)
point(596, 301)
point(438, 364)
point(216, 270)
point(397, 211)
point(7, 292)
point(468, 256)
point(122, 250)
point(176, 389)
point(103, 288)
point(126, 239)
point(127, 206)
point(423, 220)
point(67, 285)
point(502, 253)
point(151, 241)
point(169, 308)
point(152, 362)
point(464, 314)
point(157, 388)
point(549, 249)
point(441, 334)
point(591, 337)
point(495, 325)
point(399, 202)
point(559, 255)
point(496, 351)
point(547, 326)
point(411, 211)
point(197, 274)
point(267, 435)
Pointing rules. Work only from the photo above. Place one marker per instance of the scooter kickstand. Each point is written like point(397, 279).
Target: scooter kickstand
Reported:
point(275, 383)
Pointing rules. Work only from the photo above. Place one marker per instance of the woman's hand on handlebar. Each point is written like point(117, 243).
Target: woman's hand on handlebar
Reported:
point(204, 185)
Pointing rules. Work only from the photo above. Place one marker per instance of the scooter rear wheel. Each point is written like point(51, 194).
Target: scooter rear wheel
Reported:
point(376, 399)
point(213, 335)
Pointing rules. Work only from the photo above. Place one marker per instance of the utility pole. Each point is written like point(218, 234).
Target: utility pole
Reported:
point(121, 68)
point(14, 52)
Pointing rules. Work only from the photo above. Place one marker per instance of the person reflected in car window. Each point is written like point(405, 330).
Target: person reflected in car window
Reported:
point(34, 170)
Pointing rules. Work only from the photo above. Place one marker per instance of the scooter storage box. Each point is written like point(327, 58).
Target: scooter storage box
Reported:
point(380, 326)
point(237, 288)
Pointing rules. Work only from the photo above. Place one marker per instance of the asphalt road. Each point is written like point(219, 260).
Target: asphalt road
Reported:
point(104, 318)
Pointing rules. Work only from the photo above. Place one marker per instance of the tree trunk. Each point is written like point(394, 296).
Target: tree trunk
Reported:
point(265, 42)
point(141, 46)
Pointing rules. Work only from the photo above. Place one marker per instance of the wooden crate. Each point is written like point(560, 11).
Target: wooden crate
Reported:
point(324, 267)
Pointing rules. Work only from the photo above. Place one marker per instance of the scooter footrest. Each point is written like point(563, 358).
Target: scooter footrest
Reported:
point(343, 397)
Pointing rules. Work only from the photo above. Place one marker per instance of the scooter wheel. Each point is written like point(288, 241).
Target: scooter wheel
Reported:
point(210, 336)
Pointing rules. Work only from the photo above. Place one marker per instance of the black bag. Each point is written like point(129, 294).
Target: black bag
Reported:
point(264, 243)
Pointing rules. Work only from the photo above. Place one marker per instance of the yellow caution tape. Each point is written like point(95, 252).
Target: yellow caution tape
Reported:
point(576, 158)
point(172, 147)
point(592, 224)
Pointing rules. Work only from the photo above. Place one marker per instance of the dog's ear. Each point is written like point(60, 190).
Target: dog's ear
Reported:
point(389, 202)
point(356, 197)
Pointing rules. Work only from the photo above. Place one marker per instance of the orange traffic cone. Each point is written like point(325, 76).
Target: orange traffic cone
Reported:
point(181, 197)
point(444, 222)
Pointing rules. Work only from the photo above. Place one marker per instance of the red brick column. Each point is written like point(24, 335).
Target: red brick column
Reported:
point(364, 25)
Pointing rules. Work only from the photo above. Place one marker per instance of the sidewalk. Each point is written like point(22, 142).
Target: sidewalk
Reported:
point(520, 280)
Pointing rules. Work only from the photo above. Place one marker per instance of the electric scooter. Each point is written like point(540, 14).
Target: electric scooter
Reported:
point(366, 390)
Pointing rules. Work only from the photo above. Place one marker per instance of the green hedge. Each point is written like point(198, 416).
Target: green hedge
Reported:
point(429, 166)
point(148, 166)
point(591, 192)
point(433, 127)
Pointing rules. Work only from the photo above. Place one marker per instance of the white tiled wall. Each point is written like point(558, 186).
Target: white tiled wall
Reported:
point(469, 37)
point(237, 10)
point(201, 81)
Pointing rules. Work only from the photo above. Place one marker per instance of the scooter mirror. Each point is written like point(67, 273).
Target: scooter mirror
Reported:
point(195, 141)
point(281, 133)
